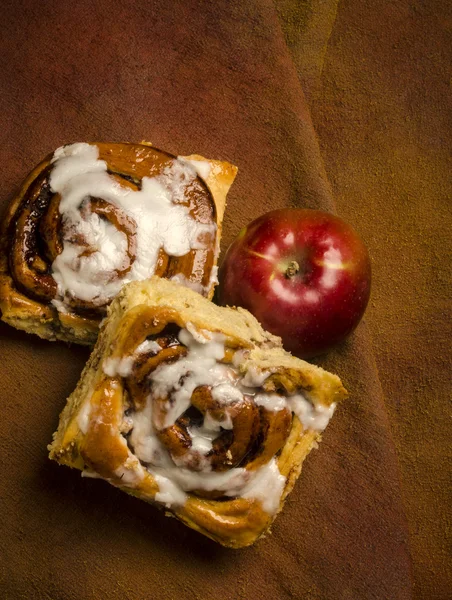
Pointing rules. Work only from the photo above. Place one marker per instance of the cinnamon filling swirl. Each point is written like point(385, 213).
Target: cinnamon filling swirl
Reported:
point(194, 417)
point(99, 216)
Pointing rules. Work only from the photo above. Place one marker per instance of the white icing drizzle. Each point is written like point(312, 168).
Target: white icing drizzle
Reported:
point(239, 357)
point(181, 378)
point(193, 285)
point(177, 381)
point(162, 222)
point(267, 486)
point(131, 475)
point(271, 402)
point(202, 336)
point(147, 446)
point(311, 417)
point(230, 482)
point(118, 366)
point(83, 417)
point(226, 393)
point(123, 366)
point(62, 308)
point(148, 346)
point(255, 377)
point(169, 494)
point(213, 280)
point(201, 167)
point(202, 438)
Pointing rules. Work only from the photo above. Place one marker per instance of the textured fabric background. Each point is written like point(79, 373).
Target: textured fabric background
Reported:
point(377, 76)
point(368, 517)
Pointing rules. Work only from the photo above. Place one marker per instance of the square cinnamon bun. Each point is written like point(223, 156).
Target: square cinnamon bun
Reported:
point(195, 408)
point(93, 217)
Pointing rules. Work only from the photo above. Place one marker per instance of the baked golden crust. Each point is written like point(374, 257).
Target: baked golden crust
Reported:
point(91, 433)
point(30, 239)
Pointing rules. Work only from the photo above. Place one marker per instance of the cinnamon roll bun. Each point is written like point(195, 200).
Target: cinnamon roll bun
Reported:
point(197, 409)
point(93, 217)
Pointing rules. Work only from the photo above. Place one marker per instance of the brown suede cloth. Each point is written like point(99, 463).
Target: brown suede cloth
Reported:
point(377, 76)
point(223, 79)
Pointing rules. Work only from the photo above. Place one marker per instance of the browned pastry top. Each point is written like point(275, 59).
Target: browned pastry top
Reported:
point(34, 231)
point(197, 408)
point(92, 217)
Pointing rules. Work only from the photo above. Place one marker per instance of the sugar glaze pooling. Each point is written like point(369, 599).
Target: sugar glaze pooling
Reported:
point(162, 222)
point(200, 367)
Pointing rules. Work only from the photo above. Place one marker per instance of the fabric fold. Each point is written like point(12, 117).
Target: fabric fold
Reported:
point(215, 79)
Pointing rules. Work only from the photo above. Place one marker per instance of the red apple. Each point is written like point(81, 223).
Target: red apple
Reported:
point(304, 274)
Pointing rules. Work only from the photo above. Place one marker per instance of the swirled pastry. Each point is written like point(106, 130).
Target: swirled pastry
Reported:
point(93, 217)
point(196, 408)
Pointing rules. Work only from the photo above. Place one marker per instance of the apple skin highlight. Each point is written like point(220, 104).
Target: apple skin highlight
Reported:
point(304, 274)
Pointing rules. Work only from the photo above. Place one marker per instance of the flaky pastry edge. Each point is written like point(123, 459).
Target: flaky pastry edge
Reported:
point(29, 315)
point(239, 522)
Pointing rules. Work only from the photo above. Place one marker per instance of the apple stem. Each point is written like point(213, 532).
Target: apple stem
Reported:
point(292, 269)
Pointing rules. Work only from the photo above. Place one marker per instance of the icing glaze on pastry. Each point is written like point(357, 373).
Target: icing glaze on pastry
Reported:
point(202, 167)
point(186, 458)
point(196, 408)
point(99, 255)
point(92, 217)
